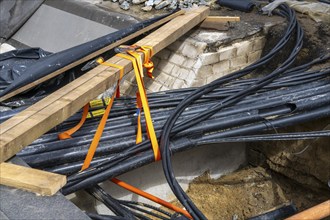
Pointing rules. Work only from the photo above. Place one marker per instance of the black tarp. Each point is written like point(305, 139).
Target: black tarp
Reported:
point(50, 63)
point(14, 13)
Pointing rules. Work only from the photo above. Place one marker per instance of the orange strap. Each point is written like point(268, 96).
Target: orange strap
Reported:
point(139, 127)
point(100, 128)
point(97, 136)
point(67, 134)
point(121, 68)
point(148, 64)
point(138, 69)
point(150, 197)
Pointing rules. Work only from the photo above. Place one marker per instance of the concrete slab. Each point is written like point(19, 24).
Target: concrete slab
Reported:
point(55, 30)
point(218, 160)
point(18, 204)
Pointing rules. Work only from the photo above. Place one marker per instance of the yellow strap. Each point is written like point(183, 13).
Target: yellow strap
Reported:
point(137, 70)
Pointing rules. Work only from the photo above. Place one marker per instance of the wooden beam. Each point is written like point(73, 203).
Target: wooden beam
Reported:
point(319, 211)
point(220, 23)
point(32, 180)
point(223, 19)
point(25, 127)
point(91, 56)
point(220, 26)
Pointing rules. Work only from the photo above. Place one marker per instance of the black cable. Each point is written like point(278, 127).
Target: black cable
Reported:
point(166, 133)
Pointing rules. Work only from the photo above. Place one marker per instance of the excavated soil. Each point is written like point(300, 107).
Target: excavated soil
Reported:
point(249, 192)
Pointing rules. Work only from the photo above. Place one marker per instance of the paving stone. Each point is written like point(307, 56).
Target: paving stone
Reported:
point(177, 59)
point(189, 62)
point(189, 80)
point(155, 60)
point(198, 64)
point(238, 62)
point(176, 46)
point(177, 84)
point(190, 51)
point(175, 71)
point(162, 78)
point(164, 54)
point(259, 43)
point(213, 77)
point(209, 58)
point(155, 86)
point(243, 47)
point(221, 67)
point(200, 46)
point(254, 56)
point(130, 77)
point(166, 66)
point(184, 74)
point(198, 82)
point(227, 53)
point(204, 71)
point(125, 85)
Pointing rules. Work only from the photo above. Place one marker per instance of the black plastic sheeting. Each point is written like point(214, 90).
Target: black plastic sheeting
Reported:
point(47, 64)
point(15, 62)
point(241, 5)
point(13, 65)
point(14, 13)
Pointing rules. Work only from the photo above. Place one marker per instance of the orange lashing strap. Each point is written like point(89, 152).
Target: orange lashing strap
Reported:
point(139, 127)
point(97, 136)
point(67, 134)
point(150, 197)
point(100, 128)
point(148, 64)
point(121, 68)
point(138, 69)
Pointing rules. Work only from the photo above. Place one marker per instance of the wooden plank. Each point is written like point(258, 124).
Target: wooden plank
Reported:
point(91, 56)
point(220, 26)
point(220, 23)
point(224, 19)
point(32, 180)
point(320, 211)
point(30, 124)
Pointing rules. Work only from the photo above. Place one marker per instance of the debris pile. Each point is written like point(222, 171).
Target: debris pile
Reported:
point(148, 5)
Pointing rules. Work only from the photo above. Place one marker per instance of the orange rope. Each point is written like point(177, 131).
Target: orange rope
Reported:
point(150, 197)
